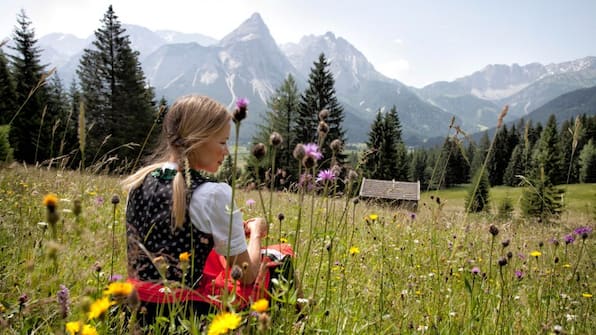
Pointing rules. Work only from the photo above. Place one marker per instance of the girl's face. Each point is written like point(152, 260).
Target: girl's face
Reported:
point(211, 154)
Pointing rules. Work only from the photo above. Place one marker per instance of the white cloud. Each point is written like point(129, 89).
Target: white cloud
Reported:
point(398, 41)
point(394, 68)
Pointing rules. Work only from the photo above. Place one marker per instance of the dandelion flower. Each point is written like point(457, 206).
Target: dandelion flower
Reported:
point(73, 327)
point(535, 253)
point(283, 240)
point(223, 323)
point(118, 289)
point(373, 217)
point(260, 306)
point(354, 250)
point(184, 257)
point(586, 295)
point(99, 307)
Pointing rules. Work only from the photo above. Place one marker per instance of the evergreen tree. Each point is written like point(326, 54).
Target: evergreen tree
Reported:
point(480, 153)
point(8, 106)
point(61, 127)
point(320, 95)
point(477, 199)
point(569, 139)
point(455, 167)
point(499, 158)
point(547, 154)
point(516, 166)
point(373, 162)
point(26, 136)
point(587, 163)
point(418, 168)
point(540, 199)
point(120, 109)
point(399, 166)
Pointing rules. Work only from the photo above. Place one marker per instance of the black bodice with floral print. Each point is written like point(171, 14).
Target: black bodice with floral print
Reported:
point(151, 240)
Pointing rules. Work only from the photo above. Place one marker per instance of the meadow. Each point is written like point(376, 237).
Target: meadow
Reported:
point(364, 268)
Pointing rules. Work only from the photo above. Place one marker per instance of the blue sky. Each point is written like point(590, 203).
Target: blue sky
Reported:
point(415, 42)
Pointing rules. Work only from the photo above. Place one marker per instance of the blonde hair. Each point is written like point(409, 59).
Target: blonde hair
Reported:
point(189, 122)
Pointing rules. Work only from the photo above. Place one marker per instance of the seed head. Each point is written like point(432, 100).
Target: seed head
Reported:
point(494, 231)
point(236, 272)
point(336, 145)
point(299, 151)
point(323, 128)
point(323, 114)
point(115, 199)
point(259, 151)
point(275, 139)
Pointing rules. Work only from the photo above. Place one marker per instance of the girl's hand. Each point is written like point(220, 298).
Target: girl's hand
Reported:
point(255, 227)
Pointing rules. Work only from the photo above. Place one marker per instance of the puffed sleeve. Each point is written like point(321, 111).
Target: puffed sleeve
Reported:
point(209, 211)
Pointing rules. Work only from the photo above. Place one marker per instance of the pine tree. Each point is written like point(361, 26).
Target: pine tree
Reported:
point(478, 198)
point(516, 166)
point(587, 163)
point(7, 91)
point(499, 158)
point(60, 127)
point(540, 199)
point(418, 168)
point(547, 154)
point(320, 95)
point(120, 109)
point(373, 163)
point(400, 167)
point(481, 152)
point(27, 74)
point(455, 167)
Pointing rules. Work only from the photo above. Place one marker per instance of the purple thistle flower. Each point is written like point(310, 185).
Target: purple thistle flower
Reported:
point(475, 270)
point(305, 181)
point(312, 150)
point(412, 216)
point(250, 202)
point(569, 239)
point(583, 232)
point(519, 274)
point(63, 297)
point(242, 103)
point(115, 277)
point(99, 201)
point(325, 175)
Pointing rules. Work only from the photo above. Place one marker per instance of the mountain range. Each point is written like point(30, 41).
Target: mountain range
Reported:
point(249, 63)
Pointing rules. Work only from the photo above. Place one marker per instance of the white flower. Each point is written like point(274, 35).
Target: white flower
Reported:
point(570, 317)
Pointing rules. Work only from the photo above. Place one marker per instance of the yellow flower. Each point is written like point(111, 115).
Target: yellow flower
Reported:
point(99, 307)
point(50, 200)
point(373, 217)
point(88, 330)
point(223, 323)
point(586, 295)
point(354, 250)
point(73, 327)
point(184, 257)
point(118, 289)
point(567, 265)
point(260, 305)
point(535, 253)
point(283, 240)
point(2, 308)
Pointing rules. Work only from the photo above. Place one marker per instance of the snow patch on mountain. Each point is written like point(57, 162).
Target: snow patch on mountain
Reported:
point(249, 37)
point(227, 59)
point(262, 88)
point(174, 80)
point(494, 93)
point(208, 77)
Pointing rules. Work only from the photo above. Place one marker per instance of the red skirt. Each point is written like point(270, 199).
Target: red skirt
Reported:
point(214, 282)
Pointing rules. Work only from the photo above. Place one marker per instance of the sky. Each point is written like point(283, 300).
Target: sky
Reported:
point(417, 42)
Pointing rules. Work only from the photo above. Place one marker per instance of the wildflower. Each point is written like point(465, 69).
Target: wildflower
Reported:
point(118, 289)
point(503, 261)
point(73, 327)
point(184, 257)
point(283, 240)
point(305, 181)
point(115, 277)
point(586, 295)
point(115, 199)
point(223, 323)
point(308, 161)
point(557, 329)
point(63, 298)
point(99, 307)
point(583, 232)
point(336, 145)
point(250, 202)
point(236, 272)
point(519, 274)
point(494, 231)
point(77, 209)
point(281, 217)
point(569, 239)
point(161, 264)
point(259, 151)
point(264, 322)
point(299, 151)
point(475, 270)
point(312, 150)
point(535, 253)
point(323, 114)
point(412, 216)
point(505, 243)
point(555, 242)
point(99, 201)
point(260, 306)
point(325, 175)
point(509, 254)
point(275, 139)
point(354, 250)
point(323, 128)
point(240, 111)
point(50, 200)
point(373, 217)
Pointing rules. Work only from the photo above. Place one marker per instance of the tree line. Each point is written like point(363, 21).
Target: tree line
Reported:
point(109, 117)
